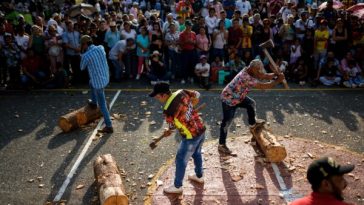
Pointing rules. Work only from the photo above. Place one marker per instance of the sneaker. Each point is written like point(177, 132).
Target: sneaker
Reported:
point(183, 81)
point(259, 123)
point(137, 77)
point(224, 149)
point(347, 84)
point(194, 178)
point(107, 130)
point(173, 190)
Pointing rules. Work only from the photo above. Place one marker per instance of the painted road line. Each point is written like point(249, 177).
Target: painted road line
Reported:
point(82, 155)
point(287, 194)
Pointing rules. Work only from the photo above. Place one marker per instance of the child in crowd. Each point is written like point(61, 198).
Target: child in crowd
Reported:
point(300, 71)
point(353, 75)
point(216, 66)
point(328, 73)
point(158, 71)
point(202, 71)
point(296, 51)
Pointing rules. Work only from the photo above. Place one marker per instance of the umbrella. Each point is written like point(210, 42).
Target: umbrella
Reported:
point(85, 9)
point(359, 13)
point(336, 5)
point(356, 7)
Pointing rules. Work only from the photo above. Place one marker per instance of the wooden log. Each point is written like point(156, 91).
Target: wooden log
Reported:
point(78, 117)
point(272, 149)
point(108, 180)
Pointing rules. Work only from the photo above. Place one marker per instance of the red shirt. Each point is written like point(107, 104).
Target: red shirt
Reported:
point(234, 36)
point(31, 65)
point(184, 36)
point(318, 199)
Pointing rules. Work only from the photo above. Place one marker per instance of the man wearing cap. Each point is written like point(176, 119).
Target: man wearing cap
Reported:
point(180, 114)
point(94, 59)
point(234, 96)
point(202, 71)
point(327, 182)
point(169, 22)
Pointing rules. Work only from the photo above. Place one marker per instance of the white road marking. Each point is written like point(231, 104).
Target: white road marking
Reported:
point(82, 155)
point(287, 194)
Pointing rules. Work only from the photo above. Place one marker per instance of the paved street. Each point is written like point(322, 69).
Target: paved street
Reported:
point(32, 146)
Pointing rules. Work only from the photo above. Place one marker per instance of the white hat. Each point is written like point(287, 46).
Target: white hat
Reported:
point(155, 53)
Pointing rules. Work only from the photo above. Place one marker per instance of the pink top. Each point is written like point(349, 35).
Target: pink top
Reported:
point(202, 42)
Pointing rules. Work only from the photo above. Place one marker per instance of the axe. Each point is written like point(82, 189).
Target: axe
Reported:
point(270, 44)
point(168, 132)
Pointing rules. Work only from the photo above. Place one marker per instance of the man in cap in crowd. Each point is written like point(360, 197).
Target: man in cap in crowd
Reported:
point(180, 114)
point(94, 59)
point(327, 182)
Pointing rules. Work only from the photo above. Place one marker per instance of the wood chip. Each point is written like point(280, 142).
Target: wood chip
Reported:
point(150, 176)
point(20, 130)
point(41, 185)
point(310, 155)
point(152, 123)
point(30, 180)
point(324, 132)
point(80, 186)
point(159, 183)
point(17, 116)
point(148, 113)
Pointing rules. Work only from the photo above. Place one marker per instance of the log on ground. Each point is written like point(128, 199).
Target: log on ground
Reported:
point(272, 149)
point(79, 117)
point(109, 182)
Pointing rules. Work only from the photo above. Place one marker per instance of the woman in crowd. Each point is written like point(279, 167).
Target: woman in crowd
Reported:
point(54, 46)
point(143, 44)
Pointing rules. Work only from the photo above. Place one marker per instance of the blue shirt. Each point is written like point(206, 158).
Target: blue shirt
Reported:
point(73, 39)
point(227, 23)
point(95, 61)
point(111, 38)
point(144, 41)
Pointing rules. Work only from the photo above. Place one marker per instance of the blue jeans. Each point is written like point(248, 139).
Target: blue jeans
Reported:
point(228, 116)
point(118, 68)
point(186, 149)
point(173, 65)
point(98, 97)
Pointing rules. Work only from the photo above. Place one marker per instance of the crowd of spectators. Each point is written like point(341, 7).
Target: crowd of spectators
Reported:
point(186, 41)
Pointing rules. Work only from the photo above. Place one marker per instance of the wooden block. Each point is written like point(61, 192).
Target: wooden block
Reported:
point(272, 149)
point(78, 117)
point(109, 183)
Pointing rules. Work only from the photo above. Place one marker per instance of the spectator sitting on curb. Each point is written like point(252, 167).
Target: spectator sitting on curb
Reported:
point(202, 71)
point(327, 182)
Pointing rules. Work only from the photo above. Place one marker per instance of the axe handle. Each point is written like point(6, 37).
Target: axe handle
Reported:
point(274, 69)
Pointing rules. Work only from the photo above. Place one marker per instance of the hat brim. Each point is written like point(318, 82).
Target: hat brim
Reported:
point(346, 169)
point(153, 94)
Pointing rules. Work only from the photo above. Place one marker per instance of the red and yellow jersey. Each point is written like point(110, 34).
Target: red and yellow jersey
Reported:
point(180, 113)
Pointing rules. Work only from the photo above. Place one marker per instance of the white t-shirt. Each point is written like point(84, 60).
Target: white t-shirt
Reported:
point(285, 11)
point(200, 67)
point(125, 35)
point(211, 23)
point(219, 40)
point(22, 41)
point(119, 47)
point(243, 6)
point(301, 25)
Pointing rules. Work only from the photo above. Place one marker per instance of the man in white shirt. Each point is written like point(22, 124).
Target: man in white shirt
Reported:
point(116, 57)
point(286, 10)
point(202, 71)
point(300, 26)
point(243, 6)
point(211, 21)
point(169, 22)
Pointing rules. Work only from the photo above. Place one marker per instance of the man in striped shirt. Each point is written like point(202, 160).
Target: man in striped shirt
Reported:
point(94, 59)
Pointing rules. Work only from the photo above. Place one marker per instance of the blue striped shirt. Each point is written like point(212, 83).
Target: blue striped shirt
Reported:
point(95, 61)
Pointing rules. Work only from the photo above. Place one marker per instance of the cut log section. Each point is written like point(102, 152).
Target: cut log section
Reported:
point(272, 149)
point(108, 180)
point(78, 117)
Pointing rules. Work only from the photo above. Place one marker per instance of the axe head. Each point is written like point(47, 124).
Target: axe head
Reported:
point(267, 44)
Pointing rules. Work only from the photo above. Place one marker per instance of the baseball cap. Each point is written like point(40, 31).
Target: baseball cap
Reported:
point(188, 23)
point(325, 167)
point(159, 88)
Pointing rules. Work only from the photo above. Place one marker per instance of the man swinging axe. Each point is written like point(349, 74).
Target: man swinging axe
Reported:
point(180, 113)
